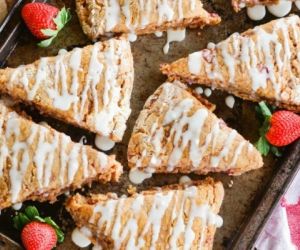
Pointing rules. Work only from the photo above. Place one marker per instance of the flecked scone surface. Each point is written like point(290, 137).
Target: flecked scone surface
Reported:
point(141, 17)
point(174, 217)
point(260, 64)
point(88, 87)
point(175, 132)
point(38, 163)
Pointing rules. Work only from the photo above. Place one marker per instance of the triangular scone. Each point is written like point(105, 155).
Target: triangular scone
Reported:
point(172, 217)
point(88, 87)
point(39, 163)
point(260, 64)
point(239, 4)
point(175, 132)
point(141, 17)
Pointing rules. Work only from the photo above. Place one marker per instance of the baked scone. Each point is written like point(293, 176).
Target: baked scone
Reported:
point(172, 217)
point(98, 18)
point(260, 64)
point(176, 133)
point(3, 10)
point(39, 163)
point(89, 87)
point(239, 4)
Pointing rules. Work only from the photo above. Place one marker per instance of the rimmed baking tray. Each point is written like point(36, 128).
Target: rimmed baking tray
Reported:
point(248, 198)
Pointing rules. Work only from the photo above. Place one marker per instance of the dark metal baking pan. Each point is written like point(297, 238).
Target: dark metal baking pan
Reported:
point(247, 202)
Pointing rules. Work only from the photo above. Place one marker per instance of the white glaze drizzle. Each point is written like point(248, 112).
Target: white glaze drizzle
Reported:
point(258, 57)
point(185, 132)
point(109, 219)
point(163, 10)
point(41, 159)
point(173, 36)
point(60, 81)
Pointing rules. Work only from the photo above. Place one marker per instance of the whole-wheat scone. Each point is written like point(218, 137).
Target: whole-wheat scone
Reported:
point(176, 133)
point(89, 87)
point(39, 163)
point(239, 4)
point(141, 17)
point(260, 64)
point(172, 217)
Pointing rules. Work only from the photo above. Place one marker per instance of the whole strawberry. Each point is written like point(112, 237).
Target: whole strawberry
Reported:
point(38, 236)
point(284, 128)
point(37, 233)
point(45, 21)
point(279, 129)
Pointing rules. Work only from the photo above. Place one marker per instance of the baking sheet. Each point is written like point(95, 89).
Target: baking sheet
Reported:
point(246, 203)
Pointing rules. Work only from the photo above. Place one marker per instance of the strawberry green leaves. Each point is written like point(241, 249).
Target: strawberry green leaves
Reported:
point(63, 17)
point(31, 214)
point(263, 146)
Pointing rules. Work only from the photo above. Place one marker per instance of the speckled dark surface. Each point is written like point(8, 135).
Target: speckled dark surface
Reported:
point(247, 190)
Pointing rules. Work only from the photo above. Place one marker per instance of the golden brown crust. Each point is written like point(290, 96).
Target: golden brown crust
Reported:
point(206, 194)
point(93, 19)
point(239, 4)
point(157, 145)
point(80, 87)
point(274, 78)
point(39, 163)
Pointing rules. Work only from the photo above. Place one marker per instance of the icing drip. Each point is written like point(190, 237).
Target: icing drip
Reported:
point(109, 220)
point(137, 177)
point(280, 9)
point(256, 12)
point(173, 36)
point(80, 237)
point(104, 143)
point(230, 101)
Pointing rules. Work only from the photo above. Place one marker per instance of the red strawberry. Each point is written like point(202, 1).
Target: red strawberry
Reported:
point(38, 236)
point(44, 21)
point(284, 128)
point(38, 16)
point(37, 233)
point(278, 129)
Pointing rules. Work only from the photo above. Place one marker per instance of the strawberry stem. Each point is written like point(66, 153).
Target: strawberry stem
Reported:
point(32, 214)
point(62, 18)
point(262, 145)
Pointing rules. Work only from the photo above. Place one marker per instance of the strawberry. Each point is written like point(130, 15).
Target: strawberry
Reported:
point(45, 21)
point(284, 128)
point(37, 233)
point(38, 236)
point(279, 129)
